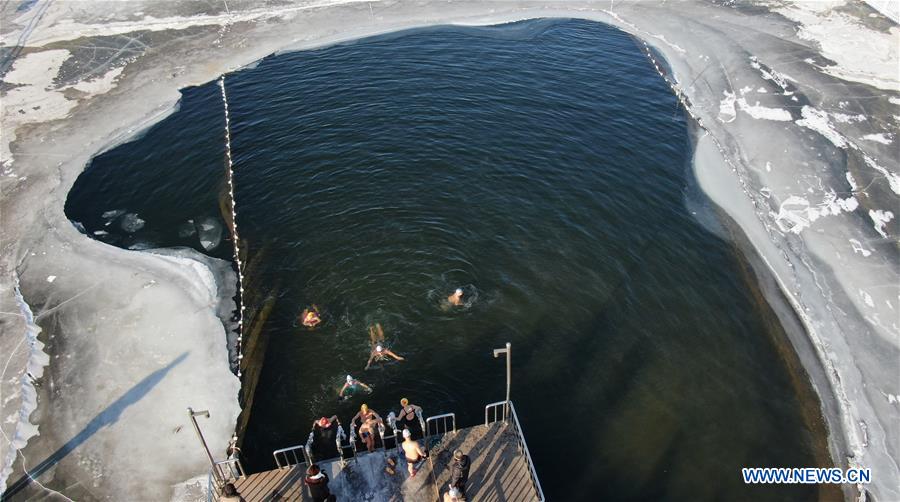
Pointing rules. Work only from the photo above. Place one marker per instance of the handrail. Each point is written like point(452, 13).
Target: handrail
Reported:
point(421, 420)
point(381, 430)
point(495, 406)
point(307, 449)
point(212, 494)
point(443, 418)
point(293, 451)
point(520, 437)
point(228, 468)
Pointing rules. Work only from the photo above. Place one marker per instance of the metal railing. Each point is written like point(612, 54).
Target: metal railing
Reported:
point(439, 424)
point(392, 422)
point(422, 420)
point(212, 491)
point(289, 454)
point(230, 470)
point(494, 411)
point(502, 407)
point(307, 450)
point(341, 447)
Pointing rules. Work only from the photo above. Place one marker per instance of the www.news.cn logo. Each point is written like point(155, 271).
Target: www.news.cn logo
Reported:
point(805, 475)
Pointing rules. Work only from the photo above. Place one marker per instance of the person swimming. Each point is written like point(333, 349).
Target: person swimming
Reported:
point(379, 351)
point(456, 298)
point(310, 317)
point(351, 386)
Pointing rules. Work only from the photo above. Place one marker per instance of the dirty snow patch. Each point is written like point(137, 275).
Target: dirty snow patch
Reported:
point(893, 178)
point(843, 118)
point(726, 107)
point(796, 213)
point(817, 120)
point(762, 112)
point(858, 248)
point(98, 85)
point(842, 39)
point(880, 219)
point(882, 138)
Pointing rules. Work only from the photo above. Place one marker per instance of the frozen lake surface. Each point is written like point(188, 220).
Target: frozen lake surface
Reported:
point(542, 167)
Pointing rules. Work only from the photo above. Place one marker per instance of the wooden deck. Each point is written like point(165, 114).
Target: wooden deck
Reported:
point(499, 473)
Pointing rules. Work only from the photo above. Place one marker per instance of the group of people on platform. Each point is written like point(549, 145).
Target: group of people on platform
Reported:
point(367, 421)
point(317, 480)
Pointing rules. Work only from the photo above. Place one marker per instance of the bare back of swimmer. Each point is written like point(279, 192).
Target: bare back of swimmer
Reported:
point(412, 451)
point(456, 298)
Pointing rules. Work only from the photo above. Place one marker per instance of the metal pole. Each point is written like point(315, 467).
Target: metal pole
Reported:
point(193, 415)
point(508, 352)
point(508, 375)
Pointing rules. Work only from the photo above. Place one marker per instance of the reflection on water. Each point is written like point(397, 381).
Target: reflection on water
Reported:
point(537, 166)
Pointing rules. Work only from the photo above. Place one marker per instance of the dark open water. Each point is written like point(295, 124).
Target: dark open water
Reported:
point(542, 167)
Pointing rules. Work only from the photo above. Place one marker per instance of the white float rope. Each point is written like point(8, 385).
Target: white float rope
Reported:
point(234, 231)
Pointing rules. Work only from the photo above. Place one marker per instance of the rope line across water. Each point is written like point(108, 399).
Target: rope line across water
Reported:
point(229, 177)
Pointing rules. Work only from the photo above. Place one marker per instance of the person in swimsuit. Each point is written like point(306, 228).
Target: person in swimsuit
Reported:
point(325, 430)
point(407, 416)
point(413, 452)
point(351, 386)
point(367, 431)
point(368, 421)
point(379, 351)
point(310, 317)
point(456, 298)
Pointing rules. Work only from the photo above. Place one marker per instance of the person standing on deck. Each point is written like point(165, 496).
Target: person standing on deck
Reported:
point(317, 481)
point(230, 494)
point(379, 351)
point(413, 452)
point(459, 472)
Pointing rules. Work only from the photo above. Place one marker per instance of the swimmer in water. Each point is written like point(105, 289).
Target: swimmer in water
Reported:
point(379, 351)
point(310, 317)
point(456, 298)
point(351, 386)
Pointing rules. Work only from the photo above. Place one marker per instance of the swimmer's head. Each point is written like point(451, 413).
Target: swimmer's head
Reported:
point(364, 408)
point(404, 402)
point(378, 348)
point(323, 422)
point(349, 379)
point(406, 434)
point(458, 292)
